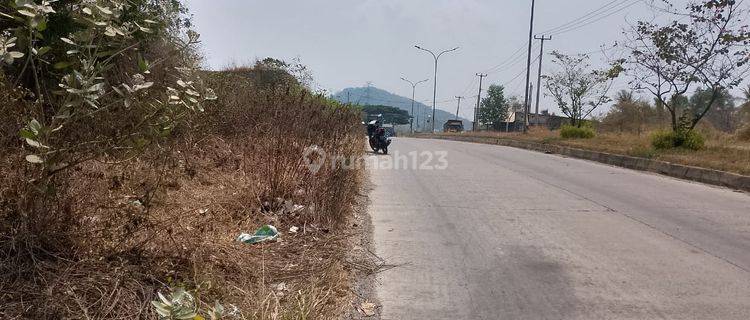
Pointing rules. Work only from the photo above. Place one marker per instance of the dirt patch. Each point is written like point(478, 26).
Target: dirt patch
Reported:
point(364, 263)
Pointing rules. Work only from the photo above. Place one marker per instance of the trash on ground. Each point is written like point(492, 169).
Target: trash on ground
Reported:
point(137, 203)
point(367, 309)
point(290, 207)
point(293, 229)
point(265, 233)
point(281, 286)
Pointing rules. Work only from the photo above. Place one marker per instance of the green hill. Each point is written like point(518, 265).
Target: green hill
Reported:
point(375, 96)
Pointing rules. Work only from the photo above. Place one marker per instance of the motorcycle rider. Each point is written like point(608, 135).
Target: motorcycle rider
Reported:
point(372, 127)
point(380, 135)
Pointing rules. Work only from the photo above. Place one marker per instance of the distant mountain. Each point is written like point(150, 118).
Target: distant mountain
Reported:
point(375, 96)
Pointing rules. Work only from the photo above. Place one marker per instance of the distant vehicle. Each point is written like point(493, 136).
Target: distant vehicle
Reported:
point(453, 126)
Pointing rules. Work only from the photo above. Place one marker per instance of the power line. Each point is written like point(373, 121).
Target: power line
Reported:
point(518, 75)
point(511, 57)
point(519, 60)
point(586, 23)
point(591, 17)
point(586, 16)
point(469, 87)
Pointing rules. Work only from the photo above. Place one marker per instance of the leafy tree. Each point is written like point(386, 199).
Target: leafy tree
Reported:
point(629, 114)
point(494, 107)
point(578, 89)
point(709, 47)
point(723, 111)
point(390, 114)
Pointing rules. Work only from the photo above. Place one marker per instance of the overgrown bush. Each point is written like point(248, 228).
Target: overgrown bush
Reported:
point(574, 132)
point(691, 140)
point(91, 80)
point(289, 119)
point(120, 175)
point(663, 139)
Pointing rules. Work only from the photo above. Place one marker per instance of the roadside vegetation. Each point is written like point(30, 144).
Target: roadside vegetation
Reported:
point(721, 151)
point(575, 132)
point(127, 172)
point(638, 128)
point(679, 107)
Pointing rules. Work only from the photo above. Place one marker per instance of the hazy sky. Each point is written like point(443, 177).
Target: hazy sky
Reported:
point(347, 43)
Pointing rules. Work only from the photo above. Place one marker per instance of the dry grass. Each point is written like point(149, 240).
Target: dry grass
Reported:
point(744, 133)
point(722, 152)
point(113, 232)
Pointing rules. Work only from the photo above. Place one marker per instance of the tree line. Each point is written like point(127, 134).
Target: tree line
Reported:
point(688, 66)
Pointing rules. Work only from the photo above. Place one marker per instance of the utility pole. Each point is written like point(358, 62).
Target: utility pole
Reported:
point(539, 75)
point(434, 87)
point(528, 70)
point(347, 97)
point(413, 90)
point(458, 108)
point(367, 94)
point(479, 98)
point(528, 108)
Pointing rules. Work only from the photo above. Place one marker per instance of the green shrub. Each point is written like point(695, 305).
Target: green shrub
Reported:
point(691, 140)
point(663, 139)
point(572, 132)
point(671, 139)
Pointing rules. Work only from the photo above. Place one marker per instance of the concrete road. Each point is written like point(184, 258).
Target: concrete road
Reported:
point(505, 233)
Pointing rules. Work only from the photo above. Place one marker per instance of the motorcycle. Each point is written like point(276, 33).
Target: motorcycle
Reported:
point(379, 141)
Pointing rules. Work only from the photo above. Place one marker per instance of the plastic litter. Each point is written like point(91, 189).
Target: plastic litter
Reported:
point(293, 229)
point(367, 309)
point(290, 207)
point(265, 233)
point(281, 287)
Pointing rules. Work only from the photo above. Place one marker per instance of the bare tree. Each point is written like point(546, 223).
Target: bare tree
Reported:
point(578, 89)
point(709, 49)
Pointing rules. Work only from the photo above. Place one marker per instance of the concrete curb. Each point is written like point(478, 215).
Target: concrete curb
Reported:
point(709, 176)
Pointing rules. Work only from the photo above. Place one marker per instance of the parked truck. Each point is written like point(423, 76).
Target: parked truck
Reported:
point(453, 126)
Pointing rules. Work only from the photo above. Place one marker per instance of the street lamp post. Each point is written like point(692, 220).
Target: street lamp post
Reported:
point(413, 91)
point(434, 87)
